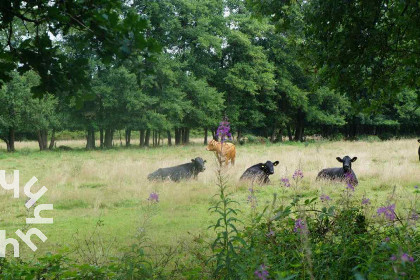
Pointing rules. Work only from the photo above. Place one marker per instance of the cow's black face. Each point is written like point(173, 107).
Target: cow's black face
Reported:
point(346, 162)
point(199, 163)
point(268, 167)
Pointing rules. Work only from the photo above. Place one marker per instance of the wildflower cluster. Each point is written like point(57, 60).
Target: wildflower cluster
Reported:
point(299, 225)
point(285, 182)
point(297, 175)
point(365, 201)
point(387, 211)
point(223, 130)
point(404, 258)
point(261, 272)
point(325, 198)
point(153, 197)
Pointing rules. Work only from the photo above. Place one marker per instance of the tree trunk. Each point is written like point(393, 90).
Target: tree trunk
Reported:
point(280, 135)
point(205, 136)
point(101, 138)
point(159, 139)
point(177, 136)
point(289, 133)
point(43, 139)
point(169, 138)
point(187, 136)
point(52, 142)
point(299, 126)
point(141, 137)
point(10, 140)
point(147, 138)
point(181, 136)
point(90, 145)
point(127, 137)
point(273, 134)
point(109, 135)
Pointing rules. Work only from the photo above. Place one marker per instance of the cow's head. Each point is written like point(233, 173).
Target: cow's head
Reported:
point(346, 162)
point(212, 145)
point(268, 167)
point(199, 164)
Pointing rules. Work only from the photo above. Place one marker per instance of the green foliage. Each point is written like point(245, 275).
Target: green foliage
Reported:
point(226, 245)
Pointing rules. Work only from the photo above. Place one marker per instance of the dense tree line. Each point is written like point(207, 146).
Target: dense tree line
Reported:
point(164, 67)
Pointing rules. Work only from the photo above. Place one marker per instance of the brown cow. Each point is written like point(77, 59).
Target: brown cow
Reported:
point(228, 152)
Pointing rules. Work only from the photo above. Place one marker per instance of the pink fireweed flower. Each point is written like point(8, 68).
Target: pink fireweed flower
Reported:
point(388, 212)
point(406, 258)
point(365, 201)
point(261, 272)
point(223, 130)
point(285, 182)
point(393, 258)
point(297, 175)
point(299, 225)
point(350, 187)
point(325, 198)
point(387, 239)
point(153, 197)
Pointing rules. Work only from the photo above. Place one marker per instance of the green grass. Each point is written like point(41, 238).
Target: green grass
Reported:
point(112, 186)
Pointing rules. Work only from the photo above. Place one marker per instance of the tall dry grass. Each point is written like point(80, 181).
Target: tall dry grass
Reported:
point(112, 185)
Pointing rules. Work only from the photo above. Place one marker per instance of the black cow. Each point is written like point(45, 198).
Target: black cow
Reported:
point(259, 173)
point(344, 173)
point(419, 149)
point(179, 172)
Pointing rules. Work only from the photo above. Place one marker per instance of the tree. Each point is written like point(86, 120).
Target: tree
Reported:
point(33, 33)
point(15, 97)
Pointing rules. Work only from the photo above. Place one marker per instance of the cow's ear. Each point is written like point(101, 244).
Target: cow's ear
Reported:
point(205, 161)
point(339, 159)
point(276, 163)
point(193, 160)
point(354, 159)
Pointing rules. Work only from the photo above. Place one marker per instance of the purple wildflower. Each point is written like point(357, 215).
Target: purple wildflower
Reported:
point(299, 225)
point(153, 197)
point(406, 258)
point(297, 175)
point(387, 239)
point(261, 272)
point(223, 130)
point(350, 186)
point(416, 187)
point(414, 216)
point(285, 182)
point(393, 258)
point(270, 233)
point(387, 211)
point(365, 201)
point(325, 198)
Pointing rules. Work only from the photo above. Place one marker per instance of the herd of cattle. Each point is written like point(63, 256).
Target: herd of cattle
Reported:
point(258, 173)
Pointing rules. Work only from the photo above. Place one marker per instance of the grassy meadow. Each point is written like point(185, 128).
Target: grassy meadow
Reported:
point(111, 186)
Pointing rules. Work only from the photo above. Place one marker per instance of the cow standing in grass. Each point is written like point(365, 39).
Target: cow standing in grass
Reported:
point(259, 173)
point(179, 172)
point(225, 152)
point(344, 173)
